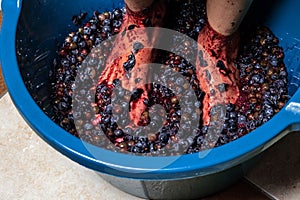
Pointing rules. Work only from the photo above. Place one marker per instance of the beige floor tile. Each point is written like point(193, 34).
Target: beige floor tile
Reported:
point(242, 190)
point(278, 171)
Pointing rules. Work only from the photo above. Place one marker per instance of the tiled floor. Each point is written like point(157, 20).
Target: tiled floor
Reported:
point(278, 171)
point(30, 169)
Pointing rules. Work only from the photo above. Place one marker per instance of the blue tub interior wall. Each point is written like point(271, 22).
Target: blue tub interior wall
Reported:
point(42, 27)
point(282, 16)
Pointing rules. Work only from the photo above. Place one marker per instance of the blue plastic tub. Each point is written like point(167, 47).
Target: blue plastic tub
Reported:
point(33, 27)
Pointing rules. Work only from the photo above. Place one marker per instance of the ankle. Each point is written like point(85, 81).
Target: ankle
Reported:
point(218, 45)
point(152, 15)
point(138, 5)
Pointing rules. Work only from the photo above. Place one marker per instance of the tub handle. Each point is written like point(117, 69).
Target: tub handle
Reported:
point(293, 115)
point(285, 122)
point(289, 117)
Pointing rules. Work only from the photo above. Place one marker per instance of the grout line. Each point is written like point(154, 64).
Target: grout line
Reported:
point(260, 189)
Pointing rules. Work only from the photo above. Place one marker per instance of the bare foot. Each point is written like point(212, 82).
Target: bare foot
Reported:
point(127, 67)
point(216, 70)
